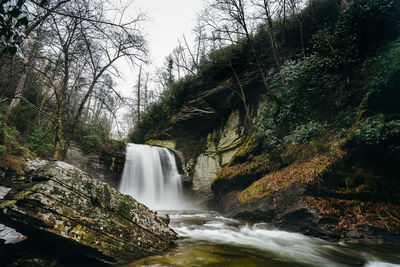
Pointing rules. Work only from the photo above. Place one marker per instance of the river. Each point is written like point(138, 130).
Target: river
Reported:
point(209, 239)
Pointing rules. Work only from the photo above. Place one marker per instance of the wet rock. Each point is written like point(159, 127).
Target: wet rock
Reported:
point(221, 145)
point(104, 167)
point(64, 207)
point(8, 235)
point(288, 209)
point(165, 218)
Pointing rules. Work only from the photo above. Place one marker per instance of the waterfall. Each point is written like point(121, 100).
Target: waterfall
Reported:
point(151, 177)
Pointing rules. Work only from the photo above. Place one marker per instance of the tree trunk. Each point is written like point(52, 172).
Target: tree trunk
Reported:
point(59, 131)
point(138, 95)
point(21, 83)
point(18, 92)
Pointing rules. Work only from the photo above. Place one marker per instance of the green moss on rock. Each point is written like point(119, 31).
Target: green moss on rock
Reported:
point(81, 213)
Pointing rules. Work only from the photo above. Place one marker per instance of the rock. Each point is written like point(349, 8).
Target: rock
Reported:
point(221, 145)
point(106, 168)
point(8, 235)
point(64, 207)
point(33, 165)
point(165, 218)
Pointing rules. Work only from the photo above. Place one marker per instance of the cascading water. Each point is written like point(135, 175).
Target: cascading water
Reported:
point(151, 177)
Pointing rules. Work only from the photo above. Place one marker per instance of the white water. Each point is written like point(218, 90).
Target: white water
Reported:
point(284, 246)
point(151, 177)
point(210, 239)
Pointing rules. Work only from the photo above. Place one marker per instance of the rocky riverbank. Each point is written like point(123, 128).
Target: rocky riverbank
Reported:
point(59, 207)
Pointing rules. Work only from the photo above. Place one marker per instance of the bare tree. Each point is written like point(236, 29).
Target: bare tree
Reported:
point(83, 46)
point(269, 9)
point(138, 94)
point(229, 19)
point(105, 44)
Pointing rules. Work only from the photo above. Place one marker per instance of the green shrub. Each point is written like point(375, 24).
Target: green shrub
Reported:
point(90, 136)
point(382, 74)
point(267, 134)
point(41, 142)
point(12, 149)
point(3, 150)
point(376, 131)
point(90, 142)
point(305, 133)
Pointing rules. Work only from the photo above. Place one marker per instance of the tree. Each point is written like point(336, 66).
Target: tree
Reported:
point(105, 44)
point(84, 43)
point(229, 20)
point(138, 94)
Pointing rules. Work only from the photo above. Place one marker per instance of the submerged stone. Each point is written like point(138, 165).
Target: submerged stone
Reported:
point(63, 206)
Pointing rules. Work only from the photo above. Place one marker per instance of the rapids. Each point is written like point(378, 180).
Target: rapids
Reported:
point(209, 239)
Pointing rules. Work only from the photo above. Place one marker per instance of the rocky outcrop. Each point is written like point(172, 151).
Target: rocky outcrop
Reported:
point(64, 207)
point(8, 235)
point(106, 167)
point(293, 209)
point(308, 193)
point(218, 149)
point(221, 145)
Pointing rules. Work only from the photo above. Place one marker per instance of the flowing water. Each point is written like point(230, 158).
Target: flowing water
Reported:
point(210, 239)
point(151, 177)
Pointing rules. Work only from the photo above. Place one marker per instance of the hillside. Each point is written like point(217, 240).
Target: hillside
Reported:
point(309, 142)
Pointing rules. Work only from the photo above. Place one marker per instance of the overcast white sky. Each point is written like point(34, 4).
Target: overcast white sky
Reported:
point(167, 21)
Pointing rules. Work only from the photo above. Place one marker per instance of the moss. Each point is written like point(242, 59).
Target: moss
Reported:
point(7, 203)
point(239, 176)
point(304, 172)
point(247, 149)
point(29, 192)
point(125, 207)
point(125, 202)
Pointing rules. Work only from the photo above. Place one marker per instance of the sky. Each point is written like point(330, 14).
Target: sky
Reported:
point(167, 20)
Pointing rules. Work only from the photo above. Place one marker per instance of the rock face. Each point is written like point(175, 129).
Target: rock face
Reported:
point(63, 206)
point(8, 235)
point(306, 196)
point(219, 147)
point(107, 168)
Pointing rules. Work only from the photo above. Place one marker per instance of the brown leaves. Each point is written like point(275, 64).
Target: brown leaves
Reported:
point(352, 213)
point(303, 172)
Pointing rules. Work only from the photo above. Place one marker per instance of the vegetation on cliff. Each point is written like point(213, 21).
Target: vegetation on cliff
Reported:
point(331, 122)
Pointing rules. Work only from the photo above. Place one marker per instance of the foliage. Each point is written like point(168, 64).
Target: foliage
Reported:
point(90, 136)
point(12, 19)
point(382, 75)
point(12, 150)
point(304, 133)
point(40, 142)
point(376, 130)
point(267, 132)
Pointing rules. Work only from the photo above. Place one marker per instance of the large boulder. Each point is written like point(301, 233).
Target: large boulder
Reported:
point(63, 206)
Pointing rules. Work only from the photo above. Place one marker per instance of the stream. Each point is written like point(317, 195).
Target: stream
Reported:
point(209, 239)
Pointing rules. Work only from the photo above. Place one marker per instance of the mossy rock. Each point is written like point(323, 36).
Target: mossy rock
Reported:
point(74, 211)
